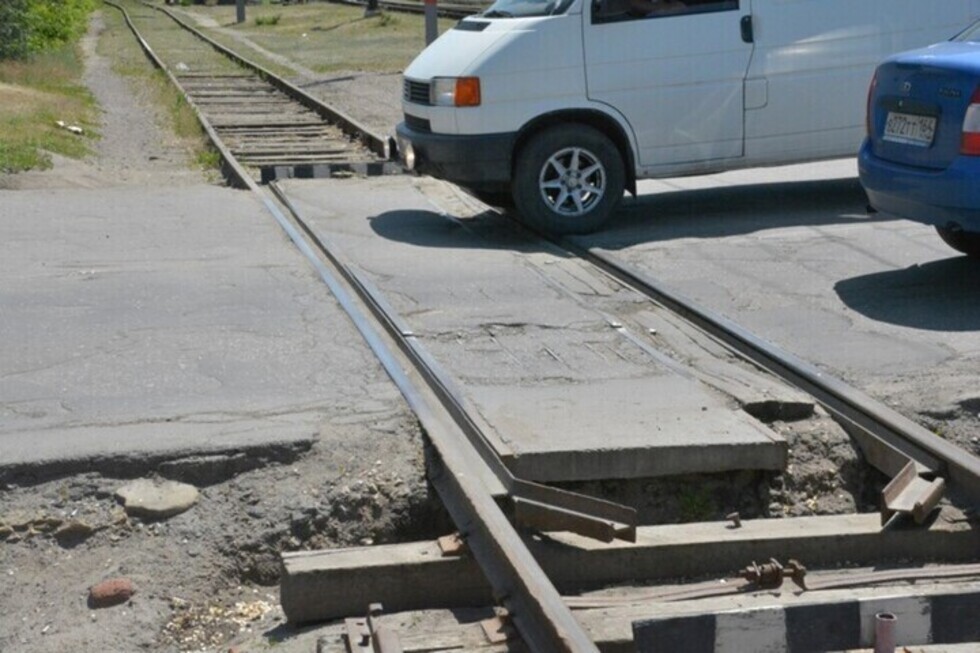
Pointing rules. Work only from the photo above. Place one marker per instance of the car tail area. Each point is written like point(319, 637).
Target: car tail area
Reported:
point(924, 114)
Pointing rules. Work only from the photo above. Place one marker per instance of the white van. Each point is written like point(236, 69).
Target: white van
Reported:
point(560, 105)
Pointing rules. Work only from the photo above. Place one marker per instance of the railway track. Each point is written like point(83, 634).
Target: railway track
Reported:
point(468, 475)
point(923, 468)
point(262, 126)
point(265, 129)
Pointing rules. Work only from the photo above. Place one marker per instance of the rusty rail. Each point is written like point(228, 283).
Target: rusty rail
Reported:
point(545, 623)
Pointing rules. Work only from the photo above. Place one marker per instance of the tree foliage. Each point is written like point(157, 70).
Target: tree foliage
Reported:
point(31, 26)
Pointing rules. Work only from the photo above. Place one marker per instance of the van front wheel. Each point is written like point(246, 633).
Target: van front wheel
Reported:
point(568, 179)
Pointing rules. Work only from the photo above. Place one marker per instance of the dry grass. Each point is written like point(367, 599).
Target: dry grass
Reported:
point(15, 100)
point(328, 37)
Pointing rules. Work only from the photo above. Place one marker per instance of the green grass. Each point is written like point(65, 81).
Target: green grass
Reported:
point(696, 504)
point(209, 159)
point(262, 21)
point(34, 95)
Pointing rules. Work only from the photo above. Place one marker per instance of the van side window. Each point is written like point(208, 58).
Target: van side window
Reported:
point(607, 11)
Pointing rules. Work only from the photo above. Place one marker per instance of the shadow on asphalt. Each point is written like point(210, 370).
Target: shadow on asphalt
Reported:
point(736, 210)
point(938, 296)
point(664, 216)
point(430, 229)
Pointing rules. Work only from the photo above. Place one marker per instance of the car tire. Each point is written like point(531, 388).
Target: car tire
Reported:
point(568, 179)
point(967, 242)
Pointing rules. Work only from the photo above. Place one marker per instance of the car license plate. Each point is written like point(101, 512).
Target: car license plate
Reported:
point(910, 129)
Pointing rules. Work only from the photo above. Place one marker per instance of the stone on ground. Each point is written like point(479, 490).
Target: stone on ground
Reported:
point(157, 500)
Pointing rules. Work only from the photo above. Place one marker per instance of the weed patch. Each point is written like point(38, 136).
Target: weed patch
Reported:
point(262, 21)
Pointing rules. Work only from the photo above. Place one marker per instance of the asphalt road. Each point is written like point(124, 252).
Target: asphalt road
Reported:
point(151, 321)
point(791, 254)
point(139, 323)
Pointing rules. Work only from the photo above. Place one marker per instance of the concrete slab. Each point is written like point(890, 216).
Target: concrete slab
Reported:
point(563, 395)
point(144, 323)
point(658, 425)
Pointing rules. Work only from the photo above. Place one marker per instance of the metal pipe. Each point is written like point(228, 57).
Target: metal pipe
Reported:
point(885, 632)
point(431, 21)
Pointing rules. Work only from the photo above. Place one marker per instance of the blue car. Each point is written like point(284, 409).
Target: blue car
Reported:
point(921, 159)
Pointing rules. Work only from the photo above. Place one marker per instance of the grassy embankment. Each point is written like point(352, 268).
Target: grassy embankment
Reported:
point(40, 84)
point(33, 96)
point(40, 68)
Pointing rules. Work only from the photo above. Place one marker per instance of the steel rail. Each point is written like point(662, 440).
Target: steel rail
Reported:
point(535, 505)
point(888, 439)
point(822, 582)
point(543, 620)
point(380, 145)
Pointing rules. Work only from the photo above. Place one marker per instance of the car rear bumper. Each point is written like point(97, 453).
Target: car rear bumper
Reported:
point(937, 197)
point(478, 161)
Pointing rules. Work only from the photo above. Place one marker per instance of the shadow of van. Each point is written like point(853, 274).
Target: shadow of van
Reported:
point(661, 216)
point(735, 210)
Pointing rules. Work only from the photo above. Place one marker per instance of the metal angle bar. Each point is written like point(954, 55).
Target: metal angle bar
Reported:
point(910, 494)
point(265, 105)
point(888, 438)
point(546, 517)
point(544, 621)
point(819, 583)
point(206, 76)
point(297, 124)
point(287, 140)
point(281, 156)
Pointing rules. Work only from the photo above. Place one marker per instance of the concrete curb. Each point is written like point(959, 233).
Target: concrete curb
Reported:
point(942, 616)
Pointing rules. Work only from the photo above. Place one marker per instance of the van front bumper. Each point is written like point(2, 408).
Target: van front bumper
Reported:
point(476, 161)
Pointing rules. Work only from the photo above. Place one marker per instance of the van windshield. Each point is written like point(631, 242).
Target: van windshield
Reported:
point(525, 8)
point(971, 33)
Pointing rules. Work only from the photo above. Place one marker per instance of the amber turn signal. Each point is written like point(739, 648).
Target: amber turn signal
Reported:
point(467, 92)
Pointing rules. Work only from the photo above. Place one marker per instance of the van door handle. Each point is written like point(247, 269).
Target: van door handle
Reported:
point(747, 32)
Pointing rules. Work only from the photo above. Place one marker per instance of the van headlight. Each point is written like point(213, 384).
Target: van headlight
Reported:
point(455, 92)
